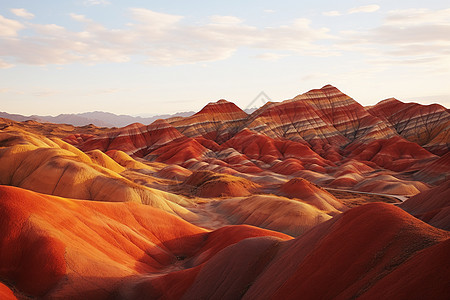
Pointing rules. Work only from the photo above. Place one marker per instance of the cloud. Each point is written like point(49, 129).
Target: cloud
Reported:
point(21, 12)
point(8, 27)
point(417, 15)
point(157, 38)
point(5, 65)
point(364, 9)
point(269, 11)
point(154, 20)
point(270, 56)
point(332, 13)
point(229, 20)
point(413, 36)
point(354, 10)
point(96, 2)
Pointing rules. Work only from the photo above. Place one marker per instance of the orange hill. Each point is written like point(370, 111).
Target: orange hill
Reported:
point(309, 136)
point(432, 206)
point(361, 253)
point(83, 249)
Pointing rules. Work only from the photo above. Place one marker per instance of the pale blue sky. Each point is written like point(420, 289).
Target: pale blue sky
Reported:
point(154, 57)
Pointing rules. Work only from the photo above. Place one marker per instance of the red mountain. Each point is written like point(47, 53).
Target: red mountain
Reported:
point(296, 200)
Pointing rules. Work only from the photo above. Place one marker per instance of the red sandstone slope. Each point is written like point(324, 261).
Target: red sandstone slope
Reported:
point(83, 249)
point(95, 250)
point(426, 125)
point(315, 131)
point(217, 121)
point(432, 206)
point(311, 194)
point(321, 117)
point(136, 139)
point(396, 153)
point(354, 254)
point(436, 172)
point(347, 256)
point(6, 293)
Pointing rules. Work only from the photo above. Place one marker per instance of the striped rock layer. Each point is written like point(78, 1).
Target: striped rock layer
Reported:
point(426, 125)
point(309, 136)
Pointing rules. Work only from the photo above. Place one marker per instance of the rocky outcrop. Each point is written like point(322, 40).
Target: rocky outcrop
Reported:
point(425, 125)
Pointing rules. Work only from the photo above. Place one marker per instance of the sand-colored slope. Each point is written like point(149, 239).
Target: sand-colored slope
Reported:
point(312, 194)
point(84, 249)
point(105, 161)
point(129, 162)
point(208, 184)
point(272, 212)
point(68, 172)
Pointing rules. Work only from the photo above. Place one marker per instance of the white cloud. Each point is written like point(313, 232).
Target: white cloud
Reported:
point(418, 16)
point(9, 27)
point(332, 13)
point(154, 19)
point(5, 65)
point(269, 11)
point(354, 10)
point(23, 13)
point(413, 36)
point(96, 2)
point(79, 18)
point(364, 9)
point(159, 38)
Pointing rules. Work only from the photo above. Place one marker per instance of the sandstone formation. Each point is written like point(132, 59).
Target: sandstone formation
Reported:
point(83, 249)
point(426, 125)
point(314, 134)
point(209, 184)
point(322, 263)
point(282, 203)
point(431, 206)
point(57, 168)
point(306, 191)
point(291, 216)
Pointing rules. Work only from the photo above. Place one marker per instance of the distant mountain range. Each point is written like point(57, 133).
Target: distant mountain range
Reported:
point(97, 118)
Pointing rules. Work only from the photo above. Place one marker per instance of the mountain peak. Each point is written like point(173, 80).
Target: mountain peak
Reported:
point(222, 107)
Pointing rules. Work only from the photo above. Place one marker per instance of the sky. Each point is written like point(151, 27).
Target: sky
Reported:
point(160, 57)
